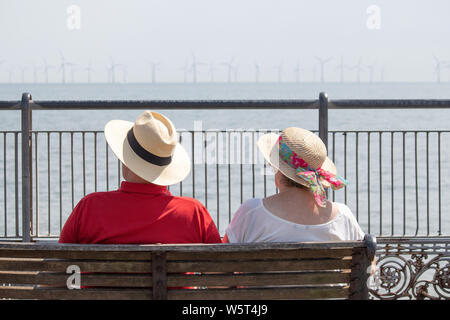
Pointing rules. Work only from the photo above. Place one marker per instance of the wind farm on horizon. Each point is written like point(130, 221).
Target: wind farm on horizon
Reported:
point(326, 69)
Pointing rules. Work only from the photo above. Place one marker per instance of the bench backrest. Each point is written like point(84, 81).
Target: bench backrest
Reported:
point(215, 271)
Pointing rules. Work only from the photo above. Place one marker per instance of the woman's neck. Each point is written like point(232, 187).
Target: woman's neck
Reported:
point(298, 205)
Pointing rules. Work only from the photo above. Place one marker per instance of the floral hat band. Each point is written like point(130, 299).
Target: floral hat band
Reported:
point(310, 175)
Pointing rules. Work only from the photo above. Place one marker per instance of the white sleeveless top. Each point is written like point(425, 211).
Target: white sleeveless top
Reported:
point(252, 222)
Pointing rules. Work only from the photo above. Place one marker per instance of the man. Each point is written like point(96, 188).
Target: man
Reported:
point(142, 210)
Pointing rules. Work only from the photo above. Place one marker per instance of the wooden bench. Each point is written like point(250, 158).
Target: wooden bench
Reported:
point(326, 270)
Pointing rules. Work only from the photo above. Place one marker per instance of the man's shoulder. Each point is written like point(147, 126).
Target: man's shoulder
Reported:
point(189, 202)
point(100, 195)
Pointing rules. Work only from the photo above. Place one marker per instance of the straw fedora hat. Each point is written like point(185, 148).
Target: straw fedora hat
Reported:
point(149, 147)
point(305, 144)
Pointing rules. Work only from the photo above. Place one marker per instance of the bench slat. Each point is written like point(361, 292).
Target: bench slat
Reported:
point(77, 255)
point(335, 292)
point(30, 292)
point(221, 247)
point(258, 279)
point(15, 264)
point(266, 254)
point(92, 279)
point(179, 255)
point(178, 280)
point(258, 266)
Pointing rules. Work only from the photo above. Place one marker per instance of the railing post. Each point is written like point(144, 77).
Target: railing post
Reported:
point(323, 118)
point(361, 263)
point(26, 167)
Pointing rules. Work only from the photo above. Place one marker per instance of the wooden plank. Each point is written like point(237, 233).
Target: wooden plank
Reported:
point(178, 255)
point(91, 279)
point(326, 292)
point(266, 254)
point(25, 264)
point(30, 292)
point(144, 256)
point(78, 255)
point(258, 265)
point(258, 279)
point(222, 247)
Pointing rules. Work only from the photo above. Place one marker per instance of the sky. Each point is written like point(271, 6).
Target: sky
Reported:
point(398, 38)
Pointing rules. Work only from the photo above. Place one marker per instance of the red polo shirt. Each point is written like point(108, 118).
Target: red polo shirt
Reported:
point(139, 213)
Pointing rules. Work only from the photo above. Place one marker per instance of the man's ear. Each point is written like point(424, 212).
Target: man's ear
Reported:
point(125, 172)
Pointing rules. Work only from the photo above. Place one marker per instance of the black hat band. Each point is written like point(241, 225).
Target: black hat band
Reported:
point(144, 154)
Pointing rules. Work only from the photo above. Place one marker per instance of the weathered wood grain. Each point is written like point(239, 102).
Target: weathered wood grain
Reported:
point(35, 264)
point(335, 292)
point(32, 292)
point(258, 265)
point(89, 279)
point(257, 279)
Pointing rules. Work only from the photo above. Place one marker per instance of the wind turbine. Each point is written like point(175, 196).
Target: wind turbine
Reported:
point(371, 68)
point(439, 65)
point(341, 66)
point(314, 73)
point(112, 70)
point(322, 63)
point(45, 68)
point(35, 73)
point(62, 67)
point(358, 69)
point(73, 68)
point(279, 69)
point(89, 70)
point(186, 70)
point(211, 71)
point(297, 71)
point(257, 72)
point(22, 71)
point(195, 64)
point(235, 72)
point(230, 66)
point(153, 67)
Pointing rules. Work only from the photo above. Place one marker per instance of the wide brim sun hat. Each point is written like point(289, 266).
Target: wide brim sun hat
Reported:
point(149, 147)
point(301, 156)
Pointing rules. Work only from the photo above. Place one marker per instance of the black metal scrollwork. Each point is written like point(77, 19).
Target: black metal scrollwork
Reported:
point(411, 270)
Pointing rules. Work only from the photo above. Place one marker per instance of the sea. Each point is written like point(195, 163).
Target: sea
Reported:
point(396, 172)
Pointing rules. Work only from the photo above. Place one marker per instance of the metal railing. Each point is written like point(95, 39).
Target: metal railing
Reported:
point(411, 269)
point(392, 191)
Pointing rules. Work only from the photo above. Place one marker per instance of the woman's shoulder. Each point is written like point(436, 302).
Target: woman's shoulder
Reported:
point(250, 205)
point(345, 212)
point(355, 231)
point(343, 208)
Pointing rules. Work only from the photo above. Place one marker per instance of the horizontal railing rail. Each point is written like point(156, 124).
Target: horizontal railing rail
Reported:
point(392, 191)
point(229, 104)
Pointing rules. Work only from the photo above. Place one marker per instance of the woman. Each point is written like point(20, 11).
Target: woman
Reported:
point(300, 211)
